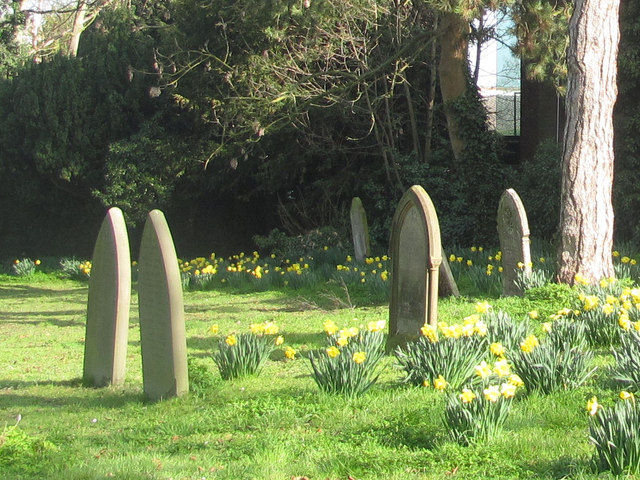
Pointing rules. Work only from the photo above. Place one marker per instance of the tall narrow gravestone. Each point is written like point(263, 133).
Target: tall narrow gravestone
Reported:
point(359, 230)
point(513, 231)
point(162, 331)
point(105, 345)
point(416, 255)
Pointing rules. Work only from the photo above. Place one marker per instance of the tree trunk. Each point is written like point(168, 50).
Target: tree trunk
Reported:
point(453, 70)
point(78, 27)
point(586, 212)
point(433, 72)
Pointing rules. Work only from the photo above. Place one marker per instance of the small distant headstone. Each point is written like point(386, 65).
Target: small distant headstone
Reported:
point(447, 286)
point(359, 230)
point(162, 329)
point(416, 255)
point(107, 331)
point(513, 231)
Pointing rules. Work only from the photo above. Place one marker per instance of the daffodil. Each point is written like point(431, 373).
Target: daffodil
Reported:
point(515, 380)
point(497, 349)
point(492, 393)
point(359, 357)
point(231, 340)
point(624, 395)
point(440, 383)
point(483, 370)
point(529, 343)
point(330, 327)
point(467, 396)
point(501, 368)
point(333, 351)
point(376, 326)
point(290, 353)
point(593, 406)
point(482, 307)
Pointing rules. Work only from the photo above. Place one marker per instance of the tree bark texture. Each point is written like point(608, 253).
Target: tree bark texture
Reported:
point(78, 27)
point(453, 71)
point(586, 212)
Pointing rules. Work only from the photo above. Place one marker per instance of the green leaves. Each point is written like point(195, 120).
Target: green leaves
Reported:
point(616, 434)
point(242, 354)
point(453, 358)
point(627, 357)
point(549, 367)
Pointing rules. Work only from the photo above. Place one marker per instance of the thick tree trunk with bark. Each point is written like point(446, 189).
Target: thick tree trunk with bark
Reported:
point(586, 213)
point(454, 32)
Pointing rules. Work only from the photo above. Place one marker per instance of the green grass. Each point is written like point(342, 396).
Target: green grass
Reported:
point(275, 426)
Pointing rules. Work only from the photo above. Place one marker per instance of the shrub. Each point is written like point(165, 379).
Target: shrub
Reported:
point(448, 352)
point(616, 434)
point(349, 365)
point(246, 353)
point(556, 295)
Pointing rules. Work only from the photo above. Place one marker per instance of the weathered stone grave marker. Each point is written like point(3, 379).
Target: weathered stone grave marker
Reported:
point(359, 230)
point(513, 231)
point(162, 331)
point(107, 331)
point(416, 255)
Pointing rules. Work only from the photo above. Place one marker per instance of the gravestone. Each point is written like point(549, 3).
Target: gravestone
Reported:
point(416, 255)
point(513, 231)
point(162, 330)
point(107, 331)
point(447, 286)
point(359, 230)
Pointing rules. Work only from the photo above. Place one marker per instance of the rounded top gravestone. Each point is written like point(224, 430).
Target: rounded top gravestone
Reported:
point(107, 330)
point(416, 255)
point(162, 329)
point(513, 232)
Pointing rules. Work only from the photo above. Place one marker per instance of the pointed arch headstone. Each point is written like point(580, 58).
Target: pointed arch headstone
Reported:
point(416, 255)
point(513, 231)
point(107, 329)
point(359, 230)
point(162, 329)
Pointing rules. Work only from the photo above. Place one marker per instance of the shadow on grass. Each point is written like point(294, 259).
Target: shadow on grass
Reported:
point(557, 468)
point(27, 291)
point(97, 398)
point(19, 318)
point(19, 384)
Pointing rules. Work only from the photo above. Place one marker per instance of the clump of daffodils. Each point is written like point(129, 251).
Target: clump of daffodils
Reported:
point(480, 409)
point(246, 353)
point(615, 432)
point(444, 351)
point(550, 365)
point(349, 364)
point(24, 267)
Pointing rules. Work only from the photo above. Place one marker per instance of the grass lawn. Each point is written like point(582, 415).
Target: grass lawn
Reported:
point(273, 426)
